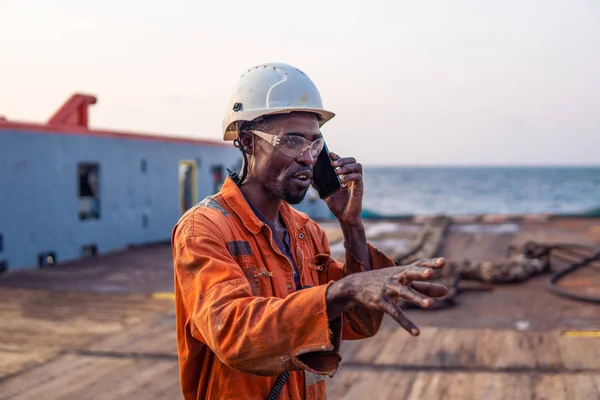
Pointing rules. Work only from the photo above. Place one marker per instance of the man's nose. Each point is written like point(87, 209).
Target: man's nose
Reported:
point(306, 158)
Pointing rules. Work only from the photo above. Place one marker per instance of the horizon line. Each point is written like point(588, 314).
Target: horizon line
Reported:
point(481, 165)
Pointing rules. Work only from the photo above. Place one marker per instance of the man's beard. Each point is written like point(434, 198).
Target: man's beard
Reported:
point(294, 198)
point(291, 196)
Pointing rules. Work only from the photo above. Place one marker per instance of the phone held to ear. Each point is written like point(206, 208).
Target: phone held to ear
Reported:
point(325, 179)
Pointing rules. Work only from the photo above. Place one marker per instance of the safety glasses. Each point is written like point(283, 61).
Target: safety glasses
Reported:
point(292, 146)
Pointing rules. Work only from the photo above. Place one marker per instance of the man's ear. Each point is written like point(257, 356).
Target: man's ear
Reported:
point(246, 139)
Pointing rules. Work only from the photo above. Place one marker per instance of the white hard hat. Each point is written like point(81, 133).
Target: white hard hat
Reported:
point(272, 88)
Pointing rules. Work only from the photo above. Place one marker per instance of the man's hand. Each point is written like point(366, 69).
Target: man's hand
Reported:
point(346, 203)
point(383, 289)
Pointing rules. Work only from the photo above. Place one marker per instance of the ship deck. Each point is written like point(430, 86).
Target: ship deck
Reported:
point(104, 327)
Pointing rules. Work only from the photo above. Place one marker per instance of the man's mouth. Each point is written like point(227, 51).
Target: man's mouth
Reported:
point(304, 178)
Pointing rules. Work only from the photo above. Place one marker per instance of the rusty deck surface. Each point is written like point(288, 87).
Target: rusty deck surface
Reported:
point(93, 330)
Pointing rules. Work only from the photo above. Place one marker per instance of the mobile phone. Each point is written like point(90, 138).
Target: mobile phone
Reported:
point(325, 180)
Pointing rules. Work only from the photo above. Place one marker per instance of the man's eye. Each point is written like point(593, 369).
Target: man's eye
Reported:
point(291, 141)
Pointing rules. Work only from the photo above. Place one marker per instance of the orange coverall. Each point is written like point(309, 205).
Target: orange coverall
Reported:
point(240, 320)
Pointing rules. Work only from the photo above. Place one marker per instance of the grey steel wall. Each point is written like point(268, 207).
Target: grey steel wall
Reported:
point(39, 191)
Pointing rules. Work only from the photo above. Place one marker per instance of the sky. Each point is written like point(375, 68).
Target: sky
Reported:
point(462, 82)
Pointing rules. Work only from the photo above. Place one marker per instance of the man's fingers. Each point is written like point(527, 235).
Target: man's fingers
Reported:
point(430, 289)
point(395, 312)
point(340, 162)
point(348, 168)
point(407, 294)
point(413, 273)
point(351, 178)
point(435, 263)
point(348, 163)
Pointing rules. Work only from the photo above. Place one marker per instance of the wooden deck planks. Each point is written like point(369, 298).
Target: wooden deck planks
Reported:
point(156, 336)
point(91, 377)
point(37, 325)
point(472, 364)
point(11, 362)
point(596, 378)
point(477, 348)
point(486, 346)
point(550, 387)
point(442, 363)
point(68, 345)
point(136, 381)
point(404, 349)
point(338, 386)
point(579, 353)
point(463, 386)
point(515, 350)
point(111, 367)
point(581, 386)
point(488, 386)
point(455, 349)
point(546, 350)
point(366, 350)
point(40, 380)
point(374, 385)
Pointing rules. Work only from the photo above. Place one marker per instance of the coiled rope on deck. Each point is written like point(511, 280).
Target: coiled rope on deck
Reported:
point(572, 266)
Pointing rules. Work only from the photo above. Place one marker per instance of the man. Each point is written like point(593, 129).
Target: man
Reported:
point(261, 306)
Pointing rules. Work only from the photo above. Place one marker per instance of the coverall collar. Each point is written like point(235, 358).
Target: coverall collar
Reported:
point(235, 199)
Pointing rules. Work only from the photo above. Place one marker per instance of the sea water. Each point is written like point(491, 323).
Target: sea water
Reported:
point(480, 190)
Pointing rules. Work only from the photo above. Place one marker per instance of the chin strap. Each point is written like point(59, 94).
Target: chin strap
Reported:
point(233, 175)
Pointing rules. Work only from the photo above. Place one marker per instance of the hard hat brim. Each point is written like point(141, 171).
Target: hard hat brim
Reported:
point(231, 129)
